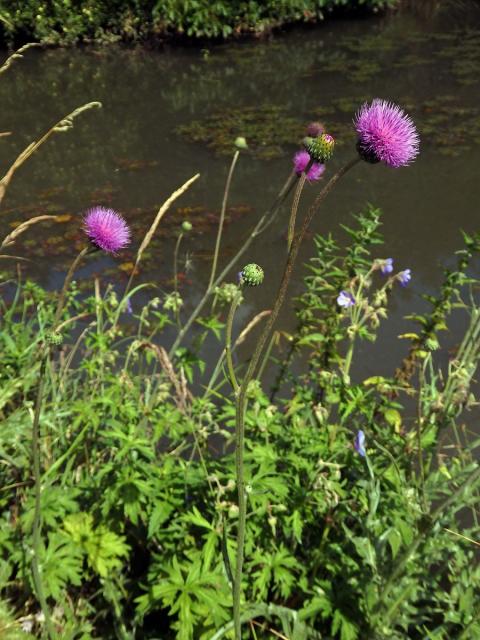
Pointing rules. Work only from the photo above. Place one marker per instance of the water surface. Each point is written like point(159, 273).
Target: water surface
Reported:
point(170, 113)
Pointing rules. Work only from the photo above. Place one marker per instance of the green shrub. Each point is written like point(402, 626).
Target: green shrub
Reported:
point(67, 21)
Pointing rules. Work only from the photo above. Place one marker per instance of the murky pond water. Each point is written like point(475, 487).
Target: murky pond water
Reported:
point(172, 113)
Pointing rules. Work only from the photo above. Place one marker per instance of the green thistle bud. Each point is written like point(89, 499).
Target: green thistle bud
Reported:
point(321, 148)
point(251, 275)
point(54, 338)
point(241, 143)
point(186, 226)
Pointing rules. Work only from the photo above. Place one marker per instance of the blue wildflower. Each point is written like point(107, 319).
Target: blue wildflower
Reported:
point(387, 266)
point(345, 299)
point(359, 443)
point(404, 277)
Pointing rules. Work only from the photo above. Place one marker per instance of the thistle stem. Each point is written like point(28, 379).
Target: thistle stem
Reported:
point(66, 284)
point(228, 340)
point(296, 200)
point(241, 403)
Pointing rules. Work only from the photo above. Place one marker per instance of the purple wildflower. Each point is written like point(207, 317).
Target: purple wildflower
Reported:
point(106, 229)
point(345, 299)
point(387, 266)
point(386, 133)
point(359, 443)
point(300, 163)
point(315, 129)
point(404, 277)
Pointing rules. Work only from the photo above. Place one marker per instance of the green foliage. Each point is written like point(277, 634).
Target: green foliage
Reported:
point(138, 500)
point(67, 21)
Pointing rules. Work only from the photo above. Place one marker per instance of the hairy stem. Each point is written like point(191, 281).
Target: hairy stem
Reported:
point(293, 213)
point(228, 341)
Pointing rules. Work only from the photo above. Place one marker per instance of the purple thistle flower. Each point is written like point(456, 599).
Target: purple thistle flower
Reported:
point(106, 229)
point(387, 266)
point(404, 277)
point(359, 443)
point(345, 299)
point(386, 133)
point(300, 163)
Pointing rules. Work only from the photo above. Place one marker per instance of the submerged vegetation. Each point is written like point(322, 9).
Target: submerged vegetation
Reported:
point(67, 21)
point(155, 483)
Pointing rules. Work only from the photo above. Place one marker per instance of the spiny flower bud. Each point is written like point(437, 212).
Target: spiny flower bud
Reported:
point(321, 148)
point(186, 226)
point(251, 275)
point(54, 338)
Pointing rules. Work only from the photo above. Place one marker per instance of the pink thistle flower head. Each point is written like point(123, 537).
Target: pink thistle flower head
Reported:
point(300, 163)
point(386, 134)
point(106, 229)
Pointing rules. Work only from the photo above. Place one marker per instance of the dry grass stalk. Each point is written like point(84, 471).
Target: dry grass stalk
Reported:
point(251, 325)
point(10, 239)
point(17, 55)
point(62, 125)
point(161, 212)
point(183, 395)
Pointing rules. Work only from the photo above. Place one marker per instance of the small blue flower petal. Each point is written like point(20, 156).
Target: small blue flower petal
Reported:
point(404, 277)
point(387, 266)
point(345, 299)
point(359, 443)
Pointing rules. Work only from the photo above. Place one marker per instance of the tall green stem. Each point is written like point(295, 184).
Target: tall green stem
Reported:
point(241, 403)
point(228, 340)
point(293, 214)
point(66, 284)
point(37, 524)
point(222, 219)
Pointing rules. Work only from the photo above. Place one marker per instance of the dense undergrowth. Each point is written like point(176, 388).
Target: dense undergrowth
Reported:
point(68, 21)
point(138, 501)
point(120, 496)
